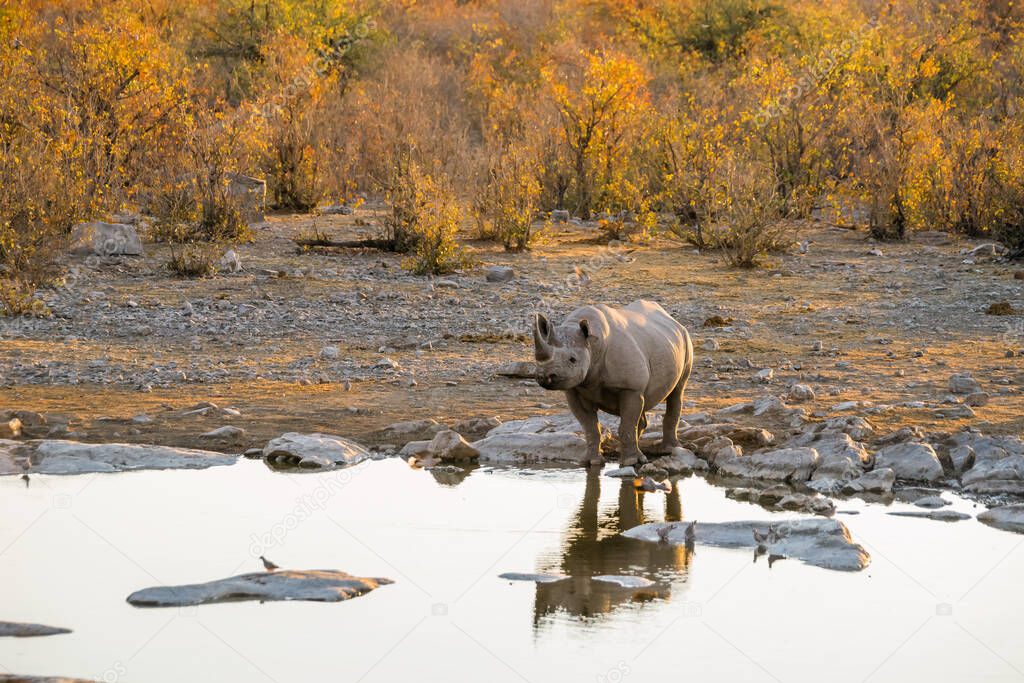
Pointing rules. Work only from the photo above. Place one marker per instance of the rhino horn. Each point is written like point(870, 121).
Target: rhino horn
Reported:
point(541, 332)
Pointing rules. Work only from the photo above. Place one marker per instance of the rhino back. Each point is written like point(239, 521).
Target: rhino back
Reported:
point(646, 350)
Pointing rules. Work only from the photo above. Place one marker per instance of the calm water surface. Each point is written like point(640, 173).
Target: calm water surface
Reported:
point(940, 601)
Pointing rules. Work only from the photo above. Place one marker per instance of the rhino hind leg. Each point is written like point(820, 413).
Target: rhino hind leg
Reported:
point(673, 407)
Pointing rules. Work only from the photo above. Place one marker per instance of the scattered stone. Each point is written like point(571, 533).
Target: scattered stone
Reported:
point(560, 216)
point(518, 368)
point(989, 250)
point(13, 629)
point(681, 460)
point(963, 384)
point(314, 450)
point(914, 461)
point(336, 210)
point(106, 239)
point(476, 427)
point(749, 437)
point(410, 430)
point(449, 445)
point(978, 399)
point(955, 412)
point(649, 469)
point(814, 503)
point(499, 274)
point(800, 393)
point(711, 345)
point(962, 458)
point(330, 353)
point(901, 435)
point(225, 434)
point(1007, 518)
point(992, 476)
point(249, 194)
point(318, 585)
point(229, 262)
point(879, 480)
point(717, 321)
point(786, 464)
point(1000, 308)
point(765, 376)
point(818, 542)
point(535, 578)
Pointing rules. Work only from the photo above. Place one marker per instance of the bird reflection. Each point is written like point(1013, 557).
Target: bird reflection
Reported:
point(592, 546)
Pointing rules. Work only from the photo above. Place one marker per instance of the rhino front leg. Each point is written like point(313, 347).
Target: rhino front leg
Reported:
point(586, 415)
point(631, 408)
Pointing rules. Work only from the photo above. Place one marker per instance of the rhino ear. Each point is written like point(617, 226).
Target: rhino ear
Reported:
point(541, 337)
point(585, 328)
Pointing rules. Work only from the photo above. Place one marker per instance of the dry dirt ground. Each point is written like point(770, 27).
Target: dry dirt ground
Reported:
point(127, 338)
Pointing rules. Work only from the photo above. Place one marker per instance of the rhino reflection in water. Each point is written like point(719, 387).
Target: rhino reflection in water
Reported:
point(593, 546)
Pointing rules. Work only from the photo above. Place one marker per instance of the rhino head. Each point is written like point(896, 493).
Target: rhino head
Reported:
point(562, 353)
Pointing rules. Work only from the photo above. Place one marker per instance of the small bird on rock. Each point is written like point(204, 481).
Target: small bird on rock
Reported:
point(663, 532)
point(691, 535)
point(24, 478)
point(268, 565)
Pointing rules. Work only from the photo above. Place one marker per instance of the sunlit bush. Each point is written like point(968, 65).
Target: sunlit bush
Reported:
point(508, 202)
point(424, 220)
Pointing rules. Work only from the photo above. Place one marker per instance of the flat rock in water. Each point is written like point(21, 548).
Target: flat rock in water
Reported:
point(535, 578)
point(524, 448)
point(624, 581)
point(71, 457)
point(314, 450)
point(937, 515)
point(820, 542)
point(316, 585)
point(1007, 518)
point(14, 629)
point(622, 473)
